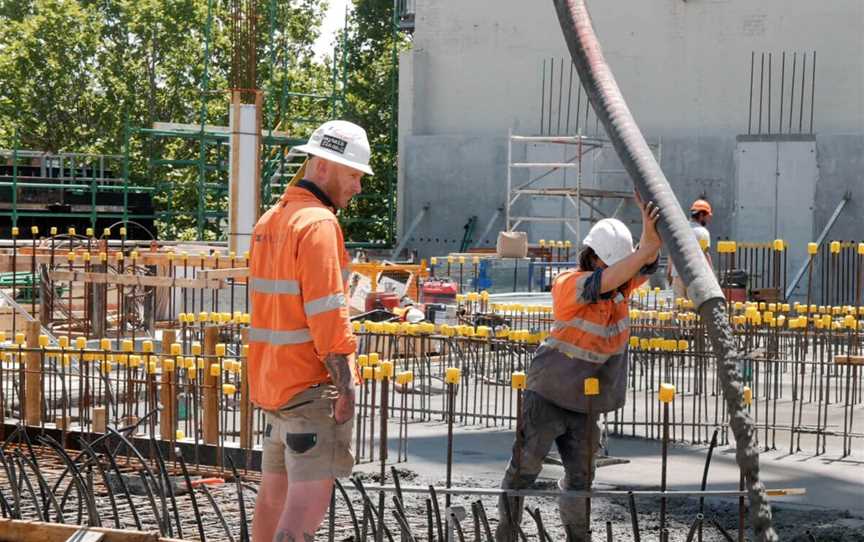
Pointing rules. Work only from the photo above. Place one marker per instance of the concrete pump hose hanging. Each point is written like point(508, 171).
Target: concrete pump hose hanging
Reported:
point(684, 250)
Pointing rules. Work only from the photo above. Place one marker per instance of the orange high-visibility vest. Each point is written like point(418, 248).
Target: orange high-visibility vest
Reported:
point(591, 332)
point(298, 288)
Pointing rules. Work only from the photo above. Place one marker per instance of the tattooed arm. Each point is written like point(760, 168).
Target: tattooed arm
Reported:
point(340, 372)
point(284, 536)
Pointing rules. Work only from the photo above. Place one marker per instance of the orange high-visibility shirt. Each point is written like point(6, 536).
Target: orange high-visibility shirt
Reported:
point(588, 340)
point(298, 273)
point(589, 331)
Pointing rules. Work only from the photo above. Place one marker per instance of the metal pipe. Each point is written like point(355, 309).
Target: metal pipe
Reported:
point(634, 516)
point(792, 89)
point(705, 477)
point(351, 512)
point(45, 489)
point(542, 100)
point(696, 526)
point(101, 469)
point(244, 524)
point(168, 487)
point(218, 513)
point(782, 89)
point(819, 241)
point(801, 106)
point(488, 226)
point(83, 494)
point(812, 90)
point(761, 90)
point(26, 482)
point(152, 476)
point(594, 493)
point(750, 108)
point(407, 235)
point(179, 455)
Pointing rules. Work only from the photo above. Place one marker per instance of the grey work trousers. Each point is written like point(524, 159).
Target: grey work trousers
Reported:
point(542, 424)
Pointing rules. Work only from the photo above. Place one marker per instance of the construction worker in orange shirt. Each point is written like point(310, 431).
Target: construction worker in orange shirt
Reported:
point(589, 339)
point(301, 347)
point(700, 216)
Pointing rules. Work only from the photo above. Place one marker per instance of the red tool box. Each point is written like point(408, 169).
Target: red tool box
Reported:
point(439, 290)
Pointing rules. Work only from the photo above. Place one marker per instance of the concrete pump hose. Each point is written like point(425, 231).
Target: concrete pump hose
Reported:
point(684, 250)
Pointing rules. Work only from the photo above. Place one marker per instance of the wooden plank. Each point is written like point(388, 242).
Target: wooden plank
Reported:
point(211, 128)
point(222, 274)
point(245, 402)
point(63, 423)
point(168, 416)
point(848, 360)
point(33, 376)
point(99, 309)
point(100, 419)
point(16, 530)
point(135, 280)
point(211, 394)
point(144, 258)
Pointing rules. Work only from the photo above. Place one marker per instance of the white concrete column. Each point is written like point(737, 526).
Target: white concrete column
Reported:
point(244, 192)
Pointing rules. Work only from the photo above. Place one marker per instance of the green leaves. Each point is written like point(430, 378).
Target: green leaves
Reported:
point(371, 96)
point(75, 73)
point(46, 88)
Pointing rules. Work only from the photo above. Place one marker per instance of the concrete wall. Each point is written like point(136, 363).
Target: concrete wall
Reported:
point(458, 176)
point(841, 170)
point(684, 67)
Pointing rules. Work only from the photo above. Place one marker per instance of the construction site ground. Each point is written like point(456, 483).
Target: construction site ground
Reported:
point(832, 508)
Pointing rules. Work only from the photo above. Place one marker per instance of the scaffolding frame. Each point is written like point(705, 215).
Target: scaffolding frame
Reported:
point(67, 173)
point(576, 196)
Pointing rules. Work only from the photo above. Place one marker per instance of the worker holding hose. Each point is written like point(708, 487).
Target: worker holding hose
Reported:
point(589, 339)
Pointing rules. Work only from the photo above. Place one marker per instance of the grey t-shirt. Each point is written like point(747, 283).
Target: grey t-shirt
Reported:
point(560, 380)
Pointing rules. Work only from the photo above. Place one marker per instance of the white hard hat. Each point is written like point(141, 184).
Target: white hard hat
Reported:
point(342, 142)
point(611, 240)
point(414, 315)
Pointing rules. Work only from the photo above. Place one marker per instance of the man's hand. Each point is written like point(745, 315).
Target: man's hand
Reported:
point(340, 372)
point(343, 410)
point(649, 243)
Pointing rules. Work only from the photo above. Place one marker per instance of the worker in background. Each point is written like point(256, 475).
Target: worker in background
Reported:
point(700, 217)
point(301, 348)
point(589, 338)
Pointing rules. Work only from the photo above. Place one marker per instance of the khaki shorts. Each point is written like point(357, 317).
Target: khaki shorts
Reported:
point(303, 439)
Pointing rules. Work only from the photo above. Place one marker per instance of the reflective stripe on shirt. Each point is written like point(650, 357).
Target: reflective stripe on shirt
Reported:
point(324, 304)
point(279, 338)
point(595, 329)
point(274, 286)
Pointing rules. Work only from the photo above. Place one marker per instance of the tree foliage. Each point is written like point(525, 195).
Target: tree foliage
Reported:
point(371, 100)
point(74, 74)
